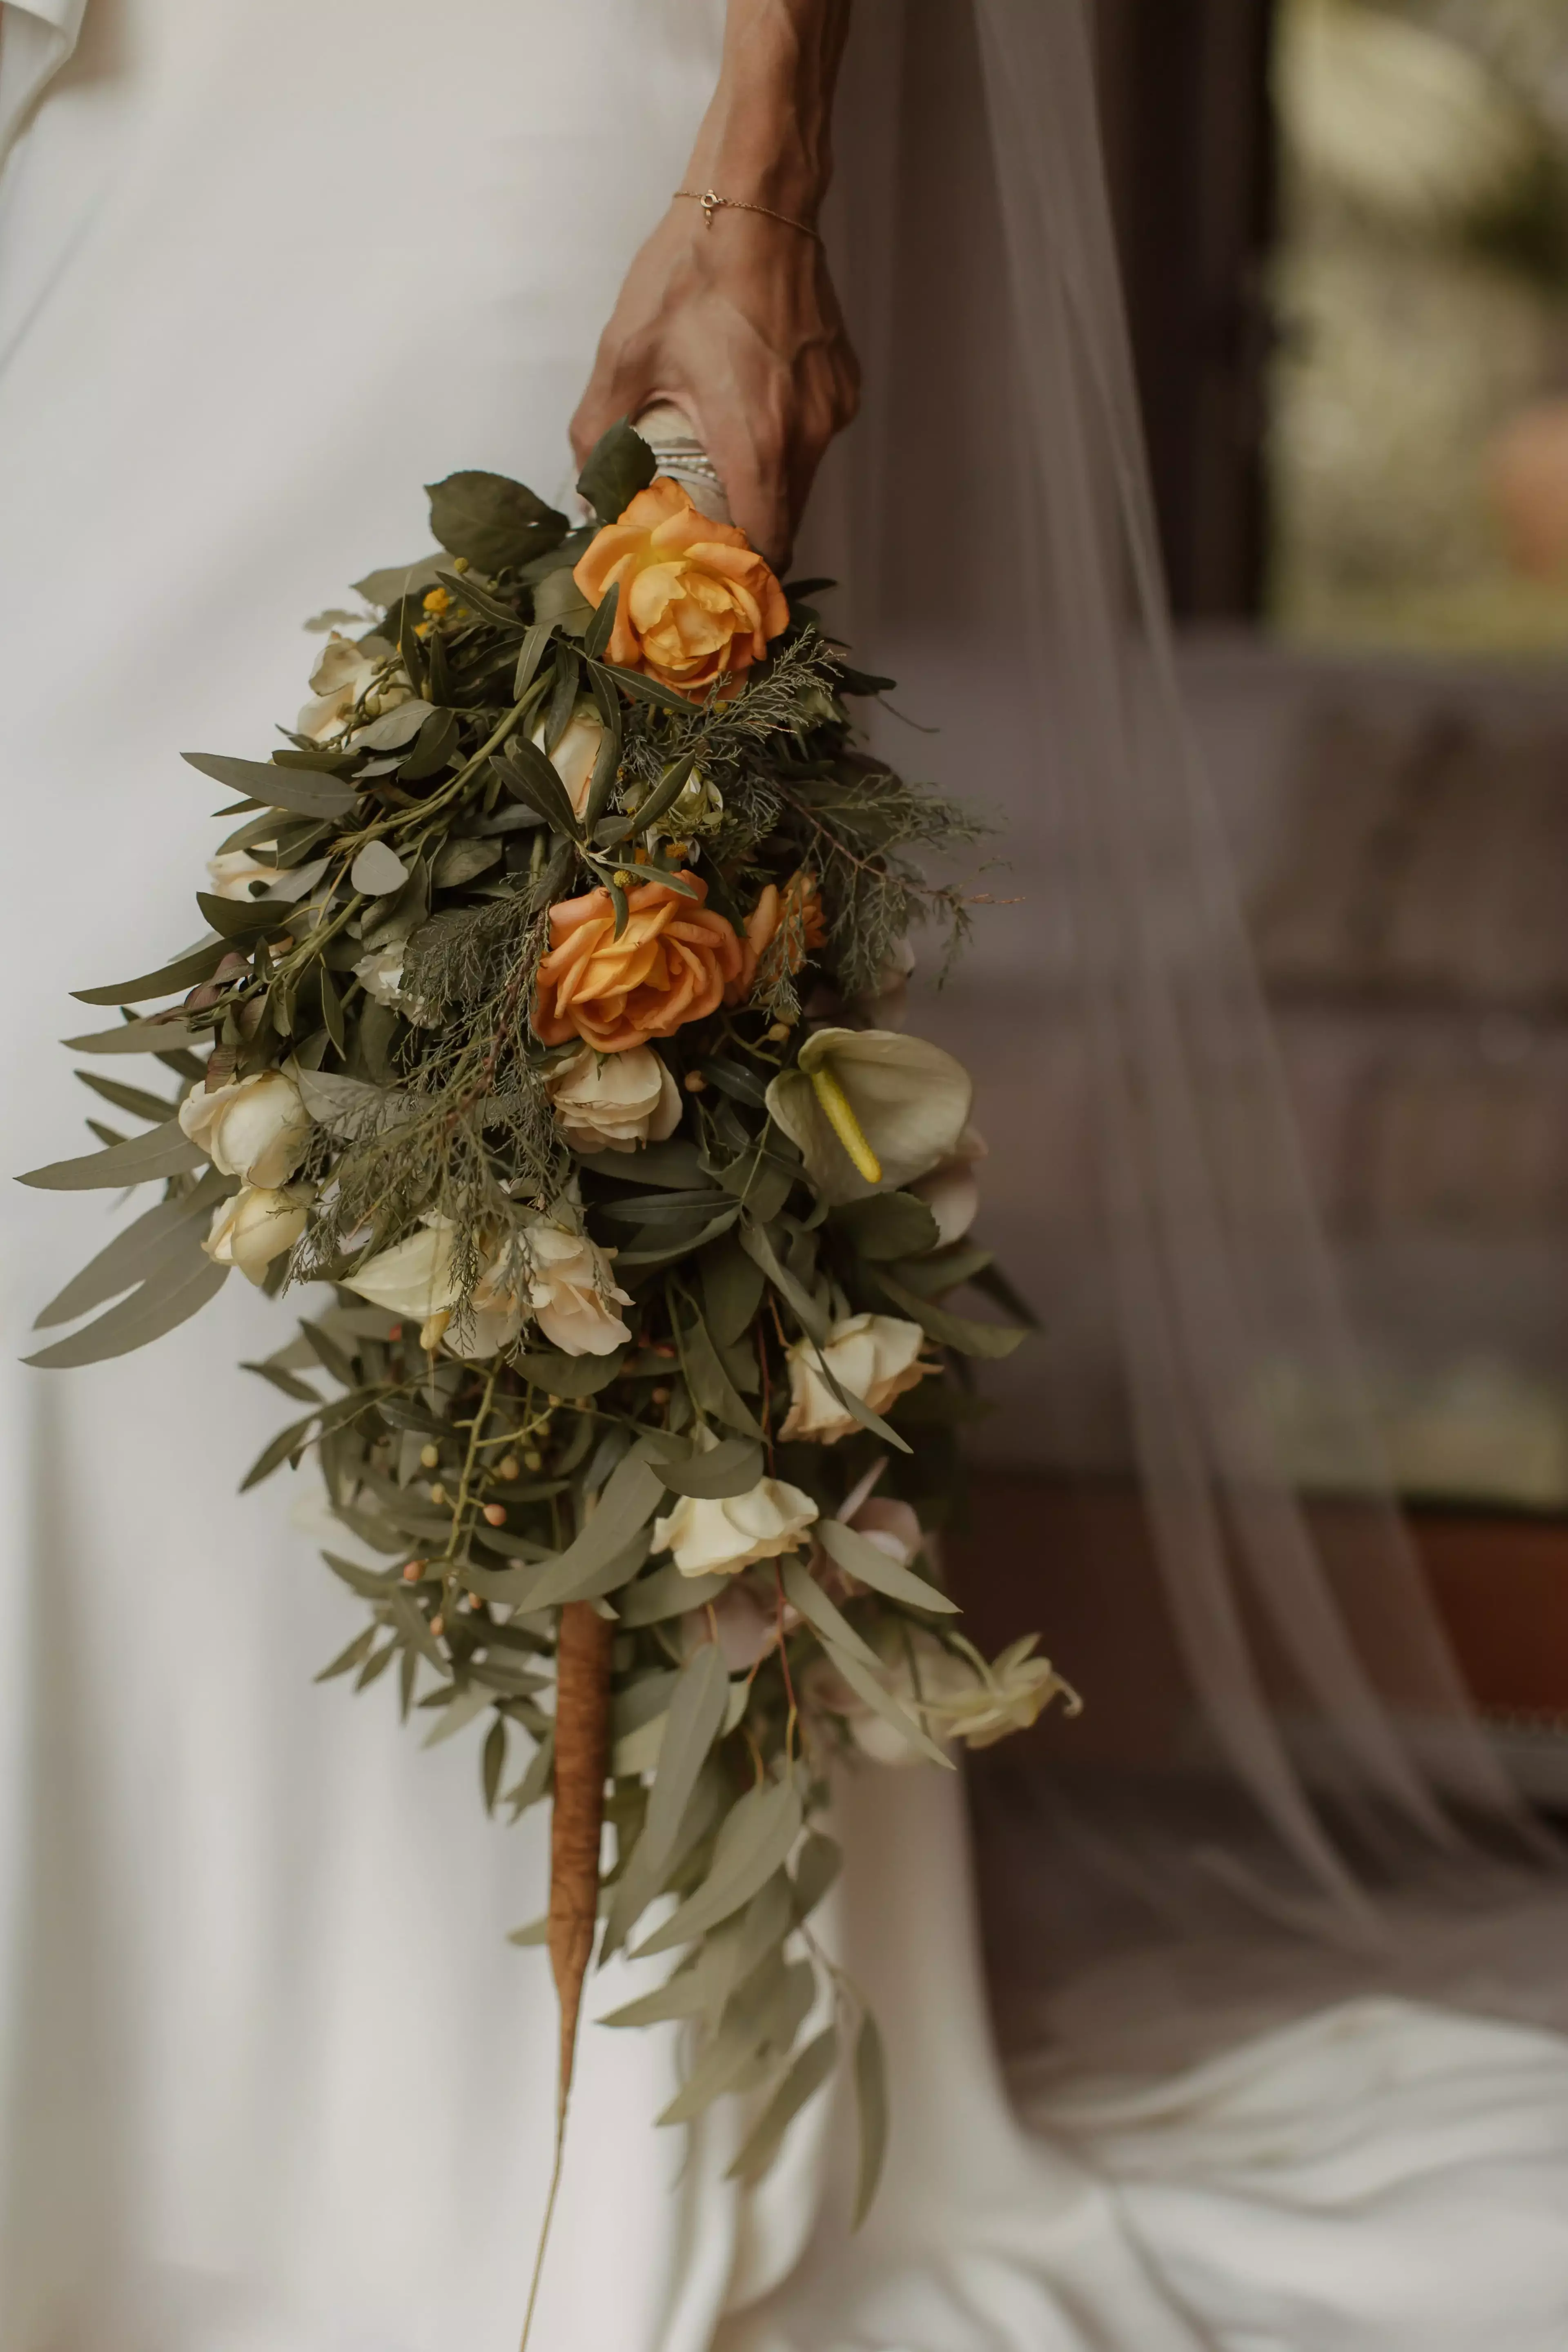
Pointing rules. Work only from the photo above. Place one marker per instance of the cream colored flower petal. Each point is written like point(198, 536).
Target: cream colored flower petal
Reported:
point(910, 1100)
point(573, 756)
point(414, 1277)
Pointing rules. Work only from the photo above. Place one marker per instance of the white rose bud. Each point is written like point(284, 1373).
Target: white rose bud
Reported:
point(572, 1294)
point(707, 1538)
point(613, 1102)
point(254, 1127)
point(234, 870)
point(365, 677)
point(573, 756)
point(873, 1357)
point(256, 1225)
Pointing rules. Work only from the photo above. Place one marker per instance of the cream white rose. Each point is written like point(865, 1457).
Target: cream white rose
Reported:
point(951, 1190)
point(573, 756)
point(256, 1225)
point(352, 679)
point(254, 1127)
point(234, 870)
point(571, 1293)
point(707, 1538)
point(873, 1357)
point(870, 1110)
point(613, 1102)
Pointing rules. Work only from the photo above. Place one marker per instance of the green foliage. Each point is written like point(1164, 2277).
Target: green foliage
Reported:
point(485, 1462)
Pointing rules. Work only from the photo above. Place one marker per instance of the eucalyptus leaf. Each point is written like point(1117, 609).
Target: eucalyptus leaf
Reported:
point(756, 1839)
point(667, 1593)
point(823, 1615)
point(870, 1564)
point(167, 1152)
point(159, 1235)
point(991, 1340)
point(692, 1722)
point(395, 727)
point(628, 1503)
point(870, 2076)
point(168, 1296)
point(377, 870)
point(871, 1688)
point(568, 1376)
point(460, 862)
point(806, 2076)
point(731, 1467)
point(139, 1037)
point(186, 971)
point(301, 792)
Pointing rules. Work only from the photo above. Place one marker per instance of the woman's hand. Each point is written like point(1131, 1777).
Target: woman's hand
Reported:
point(735, 320)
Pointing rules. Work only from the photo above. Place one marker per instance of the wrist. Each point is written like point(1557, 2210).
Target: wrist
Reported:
point(765, 138)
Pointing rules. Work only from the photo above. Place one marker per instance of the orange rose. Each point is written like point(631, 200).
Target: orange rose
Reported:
point(669, 965)
point(698, 603)
point(797, 912)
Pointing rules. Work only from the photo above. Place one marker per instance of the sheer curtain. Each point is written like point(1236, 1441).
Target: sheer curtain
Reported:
point(1279, 1789)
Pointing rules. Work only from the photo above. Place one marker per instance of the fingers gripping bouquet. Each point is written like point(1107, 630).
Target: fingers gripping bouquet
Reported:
point(546, 1011)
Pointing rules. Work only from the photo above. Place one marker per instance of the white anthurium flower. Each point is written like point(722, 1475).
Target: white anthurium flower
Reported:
point(571, 1291)
point(256, 1225)
point(952, 1697)
point(254, 1127)
point(573, 756)
point(414, 1277)
point(1007, 1696)
point(234, 870)
point(951, 1190)
point(613, 1102)
point(352, 679)
point(873, 1357)
point(870, 1110)
point(707, 1538)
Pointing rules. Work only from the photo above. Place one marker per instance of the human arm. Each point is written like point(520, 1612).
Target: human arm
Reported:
point(734, 320)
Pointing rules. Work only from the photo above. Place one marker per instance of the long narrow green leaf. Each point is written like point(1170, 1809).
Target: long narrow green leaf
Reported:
point(692, 1723)
point(871, 2107)
point(870, 1564)
point(301, 792)
point(167, 1151)
point(869, 1688)
point(167, 1298)
point(806, 2076)
point(755, 1840)
point(802, 1592)
point(631, 1495)
point(185, 971)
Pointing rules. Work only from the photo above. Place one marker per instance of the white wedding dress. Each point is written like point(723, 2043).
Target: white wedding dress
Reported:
point(271, 2079)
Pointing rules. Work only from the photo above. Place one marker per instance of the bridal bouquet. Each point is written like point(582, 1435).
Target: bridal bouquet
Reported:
point(547, 1012)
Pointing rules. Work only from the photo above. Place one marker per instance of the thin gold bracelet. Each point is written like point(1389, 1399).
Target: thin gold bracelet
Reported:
point(711, 202)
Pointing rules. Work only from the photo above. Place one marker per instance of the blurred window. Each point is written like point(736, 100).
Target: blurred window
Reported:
point(1416, 462)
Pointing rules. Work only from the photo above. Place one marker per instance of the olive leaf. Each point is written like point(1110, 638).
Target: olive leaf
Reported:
point(497, 523)
point(619, 464)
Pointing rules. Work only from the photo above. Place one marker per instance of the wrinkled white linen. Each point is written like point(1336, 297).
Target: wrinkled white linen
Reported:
point(270, 2078)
